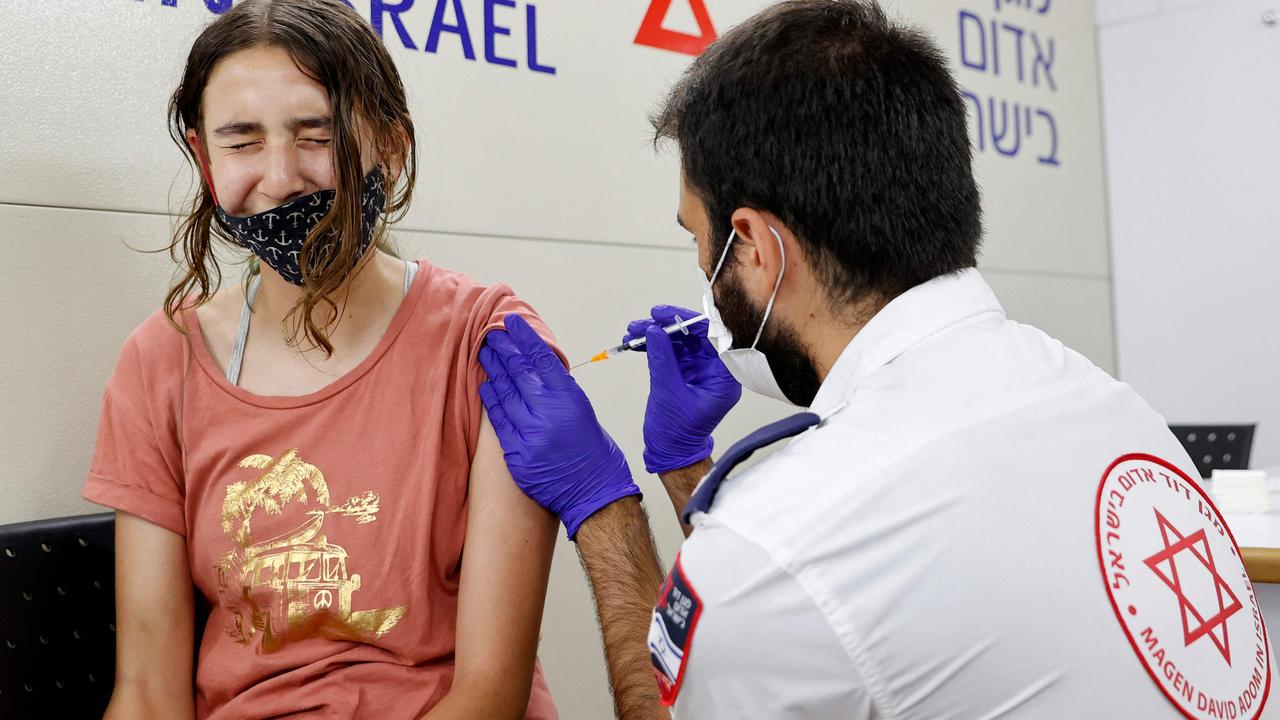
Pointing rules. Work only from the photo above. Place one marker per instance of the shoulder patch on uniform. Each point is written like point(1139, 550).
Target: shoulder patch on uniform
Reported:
point(1174, 576)
point(671, 631)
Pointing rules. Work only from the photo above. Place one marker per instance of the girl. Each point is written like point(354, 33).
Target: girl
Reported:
point(308, 447)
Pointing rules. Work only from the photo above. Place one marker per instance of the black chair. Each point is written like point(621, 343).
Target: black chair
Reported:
point(1222, 447)
point(57, 617)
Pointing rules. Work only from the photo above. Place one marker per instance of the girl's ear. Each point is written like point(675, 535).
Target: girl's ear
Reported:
point(393, 162)
point(202, 159)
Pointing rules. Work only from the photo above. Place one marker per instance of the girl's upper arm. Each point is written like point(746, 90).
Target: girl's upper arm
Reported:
point(155, 617)
point(505, 564)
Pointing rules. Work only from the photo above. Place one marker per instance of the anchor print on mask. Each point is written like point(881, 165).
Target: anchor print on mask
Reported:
point(279, 243)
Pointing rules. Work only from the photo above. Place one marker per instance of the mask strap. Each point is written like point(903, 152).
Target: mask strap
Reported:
point(724, 254)
point(203, 161)
point(777, 284)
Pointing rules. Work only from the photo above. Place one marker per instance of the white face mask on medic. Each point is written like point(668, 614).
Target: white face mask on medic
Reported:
point(748, 365)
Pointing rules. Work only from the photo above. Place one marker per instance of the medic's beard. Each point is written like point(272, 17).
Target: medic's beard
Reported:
point(788, 359)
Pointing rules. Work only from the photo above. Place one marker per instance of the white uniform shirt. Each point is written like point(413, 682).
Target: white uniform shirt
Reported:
point(954, 542)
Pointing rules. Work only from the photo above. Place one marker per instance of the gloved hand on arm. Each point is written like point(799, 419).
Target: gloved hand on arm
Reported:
point(690, 390)
point(554, 446)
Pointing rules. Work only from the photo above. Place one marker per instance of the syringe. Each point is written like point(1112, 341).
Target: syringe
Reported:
point(637, 343)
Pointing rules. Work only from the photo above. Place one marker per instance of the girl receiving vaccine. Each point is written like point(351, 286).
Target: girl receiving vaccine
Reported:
point(304, 451)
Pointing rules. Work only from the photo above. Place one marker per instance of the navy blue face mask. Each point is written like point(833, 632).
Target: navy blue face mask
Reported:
point(277, 235)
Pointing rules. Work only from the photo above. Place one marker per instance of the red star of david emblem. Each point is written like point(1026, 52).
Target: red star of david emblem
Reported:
point(1197, 546)
point(653, 34)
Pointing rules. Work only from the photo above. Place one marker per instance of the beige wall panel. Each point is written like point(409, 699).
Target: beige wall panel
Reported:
point(513, 152)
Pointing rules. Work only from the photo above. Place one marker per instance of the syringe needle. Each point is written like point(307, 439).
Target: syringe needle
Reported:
point(597, 358)
point(636, 343)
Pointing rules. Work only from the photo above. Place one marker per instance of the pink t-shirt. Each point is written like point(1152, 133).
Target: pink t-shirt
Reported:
point(326, 530)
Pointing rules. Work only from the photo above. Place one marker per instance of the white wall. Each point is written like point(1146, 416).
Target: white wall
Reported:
point(1192, 106)
point(546, 182)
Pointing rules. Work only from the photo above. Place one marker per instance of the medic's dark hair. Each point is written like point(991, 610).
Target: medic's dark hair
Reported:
point(333, 45)
point(847, 126)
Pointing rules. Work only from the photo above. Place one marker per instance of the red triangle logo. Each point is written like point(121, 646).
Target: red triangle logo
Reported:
point(653, 34)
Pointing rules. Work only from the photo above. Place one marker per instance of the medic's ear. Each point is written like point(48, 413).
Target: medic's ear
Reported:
point(762, 256)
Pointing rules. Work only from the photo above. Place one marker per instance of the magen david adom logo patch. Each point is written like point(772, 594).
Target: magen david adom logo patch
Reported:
point(1174, 576)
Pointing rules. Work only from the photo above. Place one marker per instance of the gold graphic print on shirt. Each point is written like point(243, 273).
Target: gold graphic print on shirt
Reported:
point(294, 582)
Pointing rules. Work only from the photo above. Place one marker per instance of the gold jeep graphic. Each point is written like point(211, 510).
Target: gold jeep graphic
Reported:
point(296, 582)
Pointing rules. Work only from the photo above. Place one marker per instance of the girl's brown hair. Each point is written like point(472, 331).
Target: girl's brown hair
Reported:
point(334, 46)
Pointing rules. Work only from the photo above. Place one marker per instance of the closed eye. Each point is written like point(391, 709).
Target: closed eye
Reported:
point(318, 141)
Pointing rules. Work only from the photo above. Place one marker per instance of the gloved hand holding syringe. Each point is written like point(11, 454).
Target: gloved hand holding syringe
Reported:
point(690, 392)
point(680, 326)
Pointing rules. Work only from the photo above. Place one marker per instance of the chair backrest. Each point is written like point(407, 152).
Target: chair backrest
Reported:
point(1224, 447)
point(57, 615)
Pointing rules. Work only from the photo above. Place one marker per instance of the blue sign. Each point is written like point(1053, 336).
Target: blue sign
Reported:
point(455, 28)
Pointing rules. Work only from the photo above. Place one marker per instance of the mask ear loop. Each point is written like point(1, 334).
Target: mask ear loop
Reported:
point(202, 159)
point(724, 254)
point(777, 284)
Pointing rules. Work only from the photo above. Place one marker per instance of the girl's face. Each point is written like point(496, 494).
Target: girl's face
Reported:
point(267, 130)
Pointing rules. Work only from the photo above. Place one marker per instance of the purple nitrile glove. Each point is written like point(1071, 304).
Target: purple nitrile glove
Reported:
point(690, 390)
point(556, 450)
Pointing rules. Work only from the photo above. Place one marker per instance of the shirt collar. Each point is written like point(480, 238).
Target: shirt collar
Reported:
point(913, 316)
